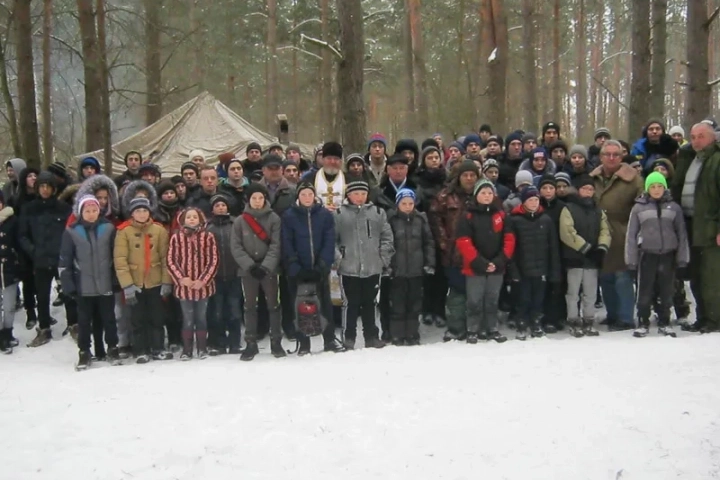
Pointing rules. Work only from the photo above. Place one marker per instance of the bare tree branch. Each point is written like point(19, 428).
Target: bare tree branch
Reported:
point(321, 43)
point(292, 47)
point(68, 46)
point(714, 82)
point(610, 92)
point(711, 18)
point(309, 20)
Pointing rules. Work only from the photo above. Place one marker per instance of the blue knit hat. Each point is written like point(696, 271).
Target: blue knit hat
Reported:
point(377, 137)
point(471, 138)
point(404, 193)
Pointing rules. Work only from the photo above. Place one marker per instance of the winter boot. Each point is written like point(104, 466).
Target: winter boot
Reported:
point(162, 355)
point(398, 342)
point(374, 343)
point(142, 359)
point(43, 336)
point(113, 356)
point(187, 338)
point(588, 328)
point(496, 336)
point(14, 342)
point(84, 361)
point(250, 351)
point(450, 336)
point(277, 349)
point(31, 319)
point(537, 330)
point(201, 341)
point(5, 344)
point(576, 327)
point(521, 331)
point(303, 346)
point(349, 343)
point(125, 352)
point(472, 338)
point(643, 328)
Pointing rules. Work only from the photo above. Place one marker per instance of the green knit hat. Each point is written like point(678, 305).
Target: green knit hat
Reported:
point(653, 178)
point(482, 183)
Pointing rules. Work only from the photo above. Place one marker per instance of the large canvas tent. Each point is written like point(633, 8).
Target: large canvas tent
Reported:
point(203, 123)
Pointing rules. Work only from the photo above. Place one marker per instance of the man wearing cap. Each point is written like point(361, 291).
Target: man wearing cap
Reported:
point(550, 135)
point(617, 185)
point(593, 153)
point(234, 187)
point(329, 180)
point(281, 195)
point(132, 160)
point(654, 144)
point(294, 155)
point(253, 162)
point(376, 157)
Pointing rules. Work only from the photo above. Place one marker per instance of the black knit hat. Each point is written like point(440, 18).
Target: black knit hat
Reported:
point(485, 128)
point(164, 186)
point(253, 146)
point(467, 166)
point(58, 169)
point(582, 180)
point(217, 198)
point(178, 179)
point(332, 149)
point(547, 179)
point(429, 142)
point(190, 166)
point(551, 126)
point(305, 186)
point(255, 188)
point(46, 178)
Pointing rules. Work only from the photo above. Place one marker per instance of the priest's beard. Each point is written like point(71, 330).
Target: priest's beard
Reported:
point(331, 171)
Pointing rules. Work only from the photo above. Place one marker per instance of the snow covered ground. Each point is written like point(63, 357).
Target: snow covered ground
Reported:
point(605, 408)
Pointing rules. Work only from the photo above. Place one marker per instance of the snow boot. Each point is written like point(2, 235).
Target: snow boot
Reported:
point(303, 346)
point(250, 351)
point(482, 336)
point(496, 336)
point(349, 343)
point(31, 321)
point(576, 327)
point(333, 345)
point(14, 342)
point(201, 342)
point(450, 336)
point(427, 319)
point(43, 336)
point(113, 356)
point(142, 359)
point(277, 349)
point(5, 342)
point(521, 331)
point(84, 361)
point(667, 331)
point(472, 338)
point(643, 328)
point(187, 338)
point(588, 328)
point(374, 343)
point(214, 351)
point(537, 330)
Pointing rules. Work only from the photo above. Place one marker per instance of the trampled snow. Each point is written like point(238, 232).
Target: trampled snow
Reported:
point(606, 408)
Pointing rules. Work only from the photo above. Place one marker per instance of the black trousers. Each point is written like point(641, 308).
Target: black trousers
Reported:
point(435, 289)
point(656, 278)
point(555, 307)
point(147, 322)
point(71, 311)
point(406, 299)
point(94, 311)
point(287, 305)
point(359, 301)
point(531, 297)
point(384, 304)
point(173, 319)
point(43, 284)
point(28, 290)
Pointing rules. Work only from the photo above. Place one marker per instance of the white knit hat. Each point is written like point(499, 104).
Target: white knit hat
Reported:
point(677, 129)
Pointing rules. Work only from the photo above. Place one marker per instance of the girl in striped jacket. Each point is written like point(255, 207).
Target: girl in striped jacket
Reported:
point(193, 262)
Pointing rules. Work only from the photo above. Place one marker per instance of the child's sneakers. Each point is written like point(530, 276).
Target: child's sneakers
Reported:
point(640, 332)
point(588, 328)
point(142, 359)
point(576, 328)
point(667, 331)
point(162, 355)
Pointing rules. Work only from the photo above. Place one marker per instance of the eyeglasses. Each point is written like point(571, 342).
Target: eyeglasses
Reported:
point(611, 155)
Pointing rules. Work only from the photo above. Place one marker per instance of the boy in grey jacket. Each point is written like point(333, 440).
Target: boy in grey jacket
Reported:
point(364, 248)
point(655, 246)
point(255, 246)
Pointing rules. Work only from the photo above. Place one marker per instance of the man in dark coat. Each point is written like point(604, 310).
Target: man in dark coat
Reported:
point(253, 162)
point(133, 160)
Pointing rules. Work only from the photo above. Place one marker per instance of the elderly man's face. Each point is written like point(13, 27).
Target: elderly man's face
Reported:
point(701, 137)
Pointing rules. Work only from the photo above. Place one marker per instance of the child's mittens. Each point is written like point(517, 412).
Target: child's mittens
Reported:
point(130, 292)
point(166, 290)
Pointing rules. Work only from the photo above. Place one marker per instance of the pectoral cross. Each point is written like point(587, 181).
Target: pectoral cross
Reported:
point(329, 196)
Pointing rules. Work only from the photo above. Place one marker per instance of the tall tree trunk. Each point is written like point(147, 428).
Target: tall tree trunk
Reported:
point(596, 107)
point(529, 72)
point(581, 107)
point(26, 84)
point(495, 55)
point(271, 88)
point(698, 92)
point(350, 77)
point(104, 88)
point(659, 53)
point(418, 57)
point(556, 87)
point(153, 66)
point(326, 104)
point(91, 64)
point(47, 137)
point(640, 82)
point(411, 117)
point(196, 16)
point(9, 103)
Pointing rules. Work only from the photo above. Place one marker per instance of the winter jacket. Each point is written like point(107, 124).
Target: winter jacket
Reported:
point(193, 254)
point(167, 214)
point(616, 196)
point(386, 200)
point(570, 170)
point(284, 197)
point(42, 223)
point(593, 159)
point(482, 239)
point(553, 208)
point(236, 196)
point(583, 228)
point(250, 167)
point(9, 248)
point(308, 239)
point(413, 243)
point(86, 259)
point(706, 224)
point(201, 200)
point(22, 196)
point(248, 249)
point(657, 227)
point(126, 176)
point(221, 226)
point(10, 189)
point(89, 187)
point(363, 240)
point(430, 183)
point(550, 169)
point(507, 170)
point(537, 252)
point(131, 191)
point(445, 210)
point(647, 152)
point(141, 255)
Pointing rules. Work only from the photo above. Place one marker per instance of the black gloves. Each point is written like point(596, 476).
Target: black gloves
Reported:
point(479, 266)
point(258, 272)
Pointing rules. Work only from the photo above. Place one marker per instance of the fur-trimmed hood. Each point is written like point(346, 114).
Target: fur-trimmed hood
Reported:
point(69, 193)
point(132, 189)
point(95, 183)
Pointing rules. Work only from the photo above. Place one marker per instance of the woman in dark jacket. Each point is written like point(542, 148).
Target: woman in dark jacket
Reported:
point(308, 252)
point(27, 192)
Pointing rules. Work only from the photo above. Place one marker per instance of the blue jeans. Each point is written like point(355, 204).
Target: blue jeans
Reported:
point(619, 296)
point(225, 316)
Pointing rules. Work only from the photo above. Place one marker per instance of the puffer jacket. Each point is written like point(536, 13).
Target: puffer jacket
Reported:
point(616, 197)
point(583, 228)
point(657, 227)
point(193, 254)
point(537, 252)
point(363, 240)
point(414, 244)
point(141, 255)
point(445, 210)
point(42, 223)
point(86, 259)
point(308, 238)
point(248, 249)
point(131, 191)
point(9, 248)
point(482, 235)
point(221, 226)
